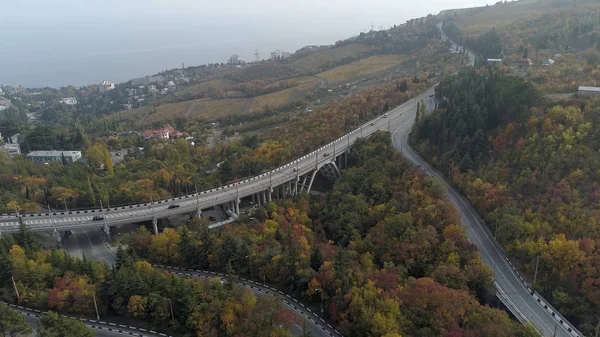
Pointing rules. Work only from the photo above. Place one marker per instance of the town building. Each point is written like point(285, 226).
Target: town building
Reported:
point(4, 104)
point(69, 100)
point(164, 133)
point(548, 62)
point(14, 139)
point(152, 89)
point(67, 157)
point(524, 63)
point(106, 86)
point(11, 149)
point(588, 91)
point(494, 62)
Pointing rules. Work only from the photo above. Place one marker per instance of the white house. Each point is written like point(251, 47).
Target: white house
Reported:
point(589, 91)
point(69, 100)
point(4, 104)
point(11, 149)
point(54, 156)
point(106, 86)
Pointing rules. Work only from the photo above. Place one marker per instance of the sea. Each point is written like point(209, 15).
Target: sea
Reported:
point(81, 42)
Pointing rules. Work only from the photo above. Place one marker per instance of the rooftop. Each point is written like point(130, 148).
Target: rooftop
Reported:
point(596, 89)
point(53, 153)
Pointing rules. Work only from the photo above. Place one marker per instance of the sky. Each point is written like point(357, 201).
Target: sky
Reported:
point(61, 42)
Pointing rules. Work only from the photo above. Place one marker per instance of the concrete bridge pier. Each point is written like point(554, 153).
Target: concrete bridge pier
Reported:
point(106, 231)
point(58, 238)
point(155, 225)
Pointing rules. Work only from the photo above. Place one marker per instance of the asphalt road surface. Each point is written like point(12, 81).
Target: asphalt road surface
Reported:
point(478, 233)
point(90, 243)
point(317, 326)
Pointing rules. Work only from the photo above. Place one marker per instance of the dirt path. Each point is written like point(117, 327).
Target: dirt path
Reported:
point(189, 110)
point(248, 106)
point(323, 82)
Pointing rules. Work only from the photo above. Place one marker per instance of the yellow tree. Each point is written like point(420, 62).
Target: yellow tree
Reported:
point(164, 247)
point(138, 306)
point(14, 206)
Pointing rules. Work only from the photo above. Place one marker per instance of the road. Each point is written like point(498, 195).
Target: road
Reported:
point(90, 243)
point(318, 327)
point(512, 291)
point(210, 198)
point(101, 328)
point(506, 278)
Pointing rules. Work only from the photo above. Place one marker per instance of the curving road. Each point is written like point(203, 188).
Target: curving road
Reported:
point(210, 198)
point(512, 289)
point(318, 326)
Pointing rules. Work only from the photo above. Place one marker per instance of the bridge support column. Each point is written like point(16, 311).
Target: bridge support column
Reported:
point(346, 158)
point(199, 212)
point(277, 192)
point(106, 231)
point(296, 181)
point(258, 199)
point(237, 206)
point(58, 238)
point(303, 182)
point(264, 196)
point(312, 179)
point(155, 225)
point(270, 194)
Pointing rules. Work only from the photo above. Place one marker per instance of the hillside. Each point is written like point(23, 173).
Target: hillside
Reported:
point(532, 172)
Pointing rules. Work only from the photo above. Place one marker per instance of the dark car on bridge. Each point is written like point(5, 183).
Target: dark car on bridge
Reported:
point(173, 206)
point(98, 218)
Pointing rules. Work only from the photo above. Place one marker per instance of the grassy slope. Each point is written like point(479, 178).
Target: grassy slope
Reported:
point(363, 68)
point(320, 60)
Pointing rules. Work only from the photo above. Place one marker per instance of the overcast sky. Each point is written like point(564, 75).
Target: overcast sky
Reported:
point(60, 42)
point(383, 11)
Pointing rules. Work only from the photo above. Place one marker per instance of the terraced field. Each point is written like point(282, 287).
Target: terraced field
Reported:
point(214, 85)
point(282, 98)
point(197, 109)
point(362, 68)
point(324, 59)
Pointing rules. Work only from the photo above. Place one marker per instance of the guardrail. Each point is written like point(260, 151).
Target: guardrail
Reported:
point(547, 306)
point(92, 323)
point(312, 153)
point(312, 316)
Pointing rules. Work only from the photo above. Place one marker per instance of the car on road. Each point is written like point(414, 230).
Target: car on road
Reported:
point(212, 218)
point(326, 154)
point(431, 95)
point(386, 115)
point(98, 218)
point(372, 123)
point(295, 169)
point(173, 206)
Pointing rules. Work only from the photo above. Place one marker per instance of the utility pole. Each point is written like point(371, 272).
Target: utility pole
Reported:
point(537, 262)
point(96, 305)
point(598, 329)
point(555, 327)
point(250, 260)
point(496, 230)
point(65, 202)
point(172, 316)
point(15, 286)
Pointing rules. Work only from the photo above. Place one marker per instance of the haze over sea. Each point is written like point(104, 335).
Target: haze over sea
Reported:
point(80, 42)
